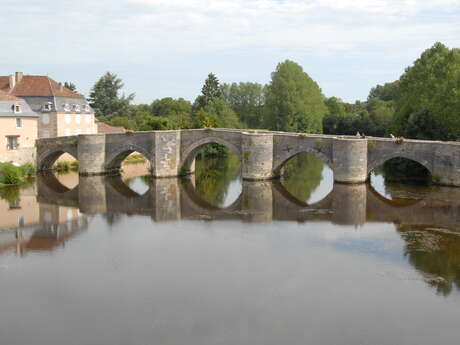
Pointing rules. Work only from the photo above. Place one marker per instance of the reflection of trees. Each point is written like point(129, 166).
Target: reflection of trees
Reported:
point(436, 254)
point(213, 176)
point(301, 175)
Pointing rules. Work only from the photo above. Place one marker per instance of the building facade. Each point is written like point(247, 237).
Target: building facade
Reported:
point(18, 130)
point(61, 111)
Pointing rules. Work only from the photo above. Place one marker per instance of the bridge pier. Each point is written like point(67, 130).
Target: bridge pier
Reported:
point(349, 157)
point(257, 160)
point(91, 154)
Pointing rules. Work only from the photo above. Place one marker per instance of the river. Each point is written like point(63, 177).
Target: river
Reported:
point(211, 259)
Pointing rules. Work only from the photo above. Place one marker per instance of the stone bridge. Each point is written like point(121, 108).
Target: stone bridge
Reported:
point(172, 199)
point(263, 153)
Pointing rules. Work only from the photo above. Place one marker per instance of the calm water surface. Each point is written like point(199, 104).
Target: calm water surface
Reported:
point(214, 260)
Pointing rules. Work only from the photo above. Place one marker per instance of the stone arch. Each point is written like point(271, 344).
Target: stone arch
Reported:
point(376, 162)
point(189, 154)
point(314, 152)
point(47, 158)
point(114, 160)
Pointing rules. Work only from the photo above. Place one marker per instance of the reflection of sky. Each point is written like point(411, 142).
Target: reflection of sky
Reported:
point(324, 187)
point(233, 192)
point(138, 185)
point(378, 183)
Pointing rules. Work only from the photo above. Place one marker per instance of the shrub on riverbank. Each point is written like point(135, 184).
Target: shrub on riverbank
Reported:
point(14, 175)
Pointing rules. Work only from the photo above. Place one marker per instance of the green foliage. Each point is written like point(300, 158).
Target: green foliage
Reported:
point(294, 102)
point(13, 175)
point(105, 99)
point(71, 86)
point(371, 118)
point(10, 174)
point(156, 123)
point(387, 92)
point(28, 169)
point(247, 100)
point(216, 114)
point(210, 90)
point(429, 95)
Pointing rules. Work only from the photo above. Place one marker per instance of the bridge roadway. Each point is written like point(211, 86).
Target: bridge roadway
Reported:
point(171, 199)
point(263, 153)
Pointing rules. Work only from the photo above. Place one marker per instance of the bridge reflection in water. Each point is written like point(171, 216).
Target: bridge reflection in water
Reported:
point(170, 199)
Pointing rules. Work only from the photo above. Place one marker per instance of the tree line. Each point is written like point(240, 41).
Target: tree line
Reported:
point(424, 103)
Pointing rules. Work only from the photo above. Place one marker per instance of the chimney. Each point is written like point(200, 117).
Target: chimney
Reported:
point(18, 77)
point(12, 81)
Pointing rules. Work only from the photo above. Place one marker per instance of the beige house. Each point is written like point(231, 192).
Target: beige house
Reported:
point(61, 111)
point(18, 130)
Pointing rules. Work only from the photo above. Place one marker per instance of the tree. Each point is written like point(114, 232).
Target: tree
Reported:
point(176, 110)
point(294, 102)
point(247, 100)
point(105, 99)
point(386, 92)
point(217, 114)
point(71, 86)
point(210, 90)
point(429, 95)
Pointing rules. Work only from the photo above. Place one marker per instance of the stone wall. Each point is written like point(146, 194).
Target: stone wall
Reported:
point(20, 156)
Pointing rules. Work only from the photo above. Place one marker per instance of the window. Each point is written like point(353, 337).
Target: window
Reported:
point(45, 119)
point(16, 108)
point(67, 118)
point(66, 107)
point(12, 142)
point(87, 108)
point(18, 122)
point(77, 118)
point(48, 106)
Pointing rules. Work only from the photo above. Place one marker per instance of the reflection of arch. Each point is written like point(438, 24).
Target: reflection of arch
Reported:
point(314, 152)
point(113, 162)
point(120, 186)
point(51, 190)
point(398, 202)
point(49, 157)
point(406, 155)
point(287, 196)
point(204, 205)
point(189, 154)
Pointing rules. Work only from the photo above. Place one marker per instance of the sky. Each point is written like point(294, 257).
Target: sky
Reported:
point(166, 48)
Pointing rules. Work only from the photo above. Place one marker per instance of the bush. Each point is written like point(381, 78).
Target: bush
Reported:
point(10, 174)
point(28, 169)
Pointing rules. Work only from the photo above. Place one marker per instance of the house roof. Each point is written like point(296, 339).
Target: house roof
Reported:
point(6, 97)
point(103, 128)
point(37, 85)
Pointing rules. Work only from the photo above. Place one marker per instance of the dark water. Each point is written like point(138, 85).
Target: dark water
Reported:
point(214, 260)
